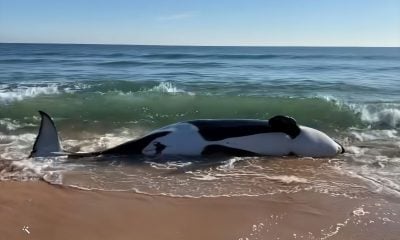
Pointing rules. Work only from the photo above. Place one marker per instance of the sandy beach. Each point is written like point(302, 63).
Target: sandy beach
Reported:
point(37, 210)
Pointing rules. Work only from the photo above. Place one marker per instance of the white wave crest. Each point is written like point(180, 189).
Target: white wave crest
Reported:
point(28, 90)
point(14, 147)
point(168, 87)
point(18, 94)
point(378, 114)
point(9, 124)
point(12, 125)
point(384, 115)
point(163, 87)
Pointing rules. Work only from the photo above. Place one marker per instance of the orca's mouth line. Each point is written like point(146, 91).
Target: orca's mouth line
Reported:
point(343, 150)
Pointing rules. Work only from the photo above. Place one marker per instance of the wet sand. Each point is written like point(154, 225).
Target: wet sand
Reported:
point(37, 210)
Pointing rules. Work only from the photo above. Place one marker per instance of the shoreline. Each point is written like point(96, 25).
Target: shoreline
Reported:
point(38, 210)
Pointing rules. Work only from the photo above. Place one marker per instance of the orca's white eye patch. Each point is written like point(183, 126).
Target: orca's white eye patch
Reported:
point(154, 148)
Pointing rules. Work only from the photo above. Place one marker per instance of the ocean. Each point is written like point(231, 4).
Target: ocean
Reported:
point(103, 95)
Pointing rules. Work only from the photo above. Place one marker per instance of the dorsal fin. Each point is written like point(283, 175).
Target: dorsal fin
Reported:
point(285, 124)
point(47, 142)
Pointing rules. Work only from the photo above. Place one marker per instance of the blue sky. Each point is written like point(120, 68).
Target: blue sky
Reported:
point(203, 22)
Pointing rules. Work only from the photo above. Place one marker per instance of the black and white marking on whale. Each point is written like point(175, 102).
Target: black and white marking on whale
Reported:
point(278, 136)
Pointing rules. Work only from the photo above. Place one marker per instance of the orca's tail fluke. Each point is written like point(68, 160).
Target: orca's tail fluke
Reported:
point(47, 142)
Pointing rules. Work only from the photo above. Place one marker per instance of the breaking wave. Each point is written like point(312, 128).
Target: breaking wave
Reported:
point(380, 115)
point(19, 94)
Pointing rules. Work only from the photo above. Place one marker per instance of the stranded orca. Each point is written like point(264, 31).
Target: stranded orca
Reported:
point(278, 136)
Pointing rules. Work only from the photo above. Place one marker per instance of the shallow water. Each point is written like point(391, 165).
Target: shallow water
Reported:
point(102, 95)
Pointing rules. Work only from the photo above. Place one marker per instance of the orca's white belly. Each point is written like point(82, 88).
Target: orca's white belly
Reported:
point(273, 144)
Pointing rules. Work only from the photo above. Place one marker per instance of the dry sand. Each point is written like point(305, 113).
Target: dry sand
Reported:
point(37, 210)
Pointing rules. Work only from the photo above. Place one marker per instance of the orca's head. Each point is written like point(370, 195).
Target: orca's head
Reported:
point(313, 143)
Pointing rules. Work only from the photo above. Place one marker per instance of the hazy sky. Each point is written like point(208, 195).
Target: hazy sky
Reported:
point(203, 22)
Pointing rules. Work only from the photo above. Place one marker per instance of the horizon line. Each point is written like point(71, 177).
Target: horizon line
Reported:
point(195, 45)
